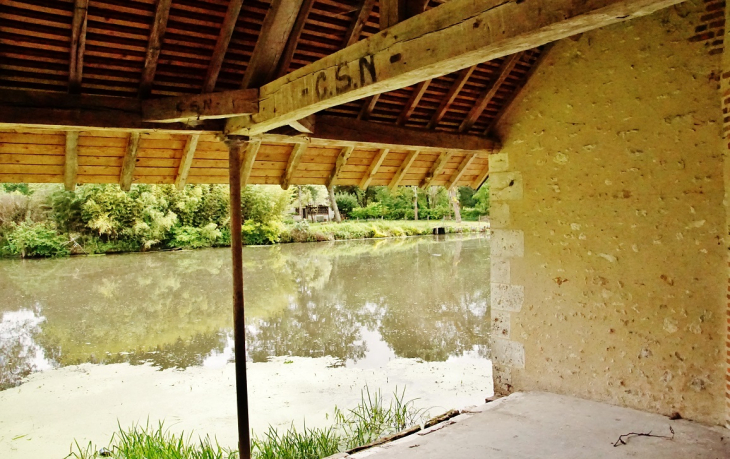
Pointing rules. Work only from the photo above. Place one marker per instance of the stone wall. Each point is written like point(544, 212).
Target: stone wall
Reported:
point(609, 277)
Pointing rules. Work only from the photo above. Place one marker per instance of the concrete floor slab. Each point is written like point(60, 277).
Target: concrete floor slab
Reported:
point(541, 425)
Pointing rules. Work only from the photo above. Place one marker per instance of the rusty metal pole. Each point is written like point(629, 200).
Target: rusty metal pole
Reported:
point(235, 147)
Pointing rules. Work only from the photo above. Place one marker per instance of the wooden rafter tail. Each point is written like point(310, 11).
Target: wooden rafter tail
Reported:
point(130, 161)
point(342, 159)
point(186, 161)
point(78, 45)
point(403, 169)
point(71, 164)
point(461, 170)
point(412, 103)
point(291, 44)
point(271, 43)
point(154, 46)
point(373, 169)
point(436, 169)
point(221, 45)
point(488, 94)
point(249, 158)
point(295, 157)
point(516, 93)
point(481, 178)
point(355, 29)
point(450, 97)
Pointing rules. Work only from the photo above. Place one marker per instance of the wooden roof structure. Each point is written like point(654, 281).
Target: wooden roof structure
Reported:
point(348, 92)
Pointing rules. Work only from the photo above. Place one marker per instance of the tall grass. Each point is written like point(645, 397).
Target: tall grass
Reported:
point(371, 419)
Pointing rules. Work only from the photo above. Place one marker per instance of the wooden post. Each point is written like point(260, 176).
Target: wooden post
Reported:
point(71, 165)
point(333, 204)
point(235, 146)
point(415, 202)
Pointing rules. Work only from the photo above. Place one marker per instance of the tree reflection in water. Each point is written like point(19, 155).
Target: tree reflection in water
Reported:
point(426, 298)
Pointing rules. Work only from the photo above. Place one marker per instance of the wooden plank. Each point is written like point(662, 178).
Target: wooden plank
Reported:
point(342, 159)
point(373, 169)
point(186, 161)
point(436, 169)
point(391, 13)
point(71, 165)
point(130, 160)
point(403, 170)
point(282, 67)
point(78, 45)
point(154, 45)
point(221, 46)
point(477, 182)
point(460, 171)
point(201, 106)
point(488, 94)
point(423, 48)
point(249, 158)
point(294, 159)
point(450, 97)
point(355, 30)
point(412, 103)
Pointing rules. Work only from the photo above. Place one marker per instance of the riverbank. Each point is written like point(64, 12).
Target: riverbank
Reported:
point(37, 241)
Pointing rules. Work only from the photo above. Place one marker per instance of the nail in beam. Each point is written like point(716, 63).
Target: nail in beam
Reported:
point(235, 147)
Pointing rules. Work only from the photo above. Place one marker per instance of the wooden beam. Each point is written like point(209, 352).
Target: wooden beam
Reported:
point(187, 159)
point(516, 93)
point(355, 29)
point(71, 165)
point(436, 169)
point(249, 158)
point(412, 103)
point(221, 46)
point(480, 178)
point(78, 45)
point(391, 13)
point(282, 67)
point(460, 171)
point(422, 48)
point(373, 169)
point(367, 107)
point(339, 164)
point(450, 97)
point(130, 161)
point(403, 170)
point(157, 34)
point(47, 110)
point(488, 94)
point(201, 106)
point(304, 125)
point(271, 42)
point(295, 158)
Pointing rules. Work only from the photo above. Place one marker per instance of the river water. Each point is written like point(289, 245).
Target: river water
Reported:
point(86, 342)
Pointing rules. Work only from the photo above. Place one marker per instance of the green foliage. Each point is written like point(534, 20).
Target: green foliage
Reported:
point(255, 233)
point(309, 444)
point(345, 203)
point(34, 240)
point(195, 238)
point(481, 199)
point(22, 188)
point(147, 443)
point(264, 204)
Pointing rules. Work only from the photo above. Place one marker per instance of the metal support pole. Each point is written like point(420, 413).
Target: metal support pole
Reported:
point(235, 147)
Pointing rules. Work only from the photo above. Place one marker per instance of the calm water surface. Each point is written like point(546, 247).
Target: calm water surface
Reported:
point(363, 302)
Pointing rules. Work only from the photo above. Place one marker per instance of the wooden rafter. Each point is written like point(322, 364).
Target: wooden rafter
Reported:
point(71, 164)
point(450, 97)
point(291, 45)
point(221, 46)
point(201, 106)
point(403, 169)
point(436, 169)
point(295, 158)
point(420, 48)
point(342, 158)
point(515, 94)
point(480, 178)
point(249, 158)
point(186, 161)
point(412, 103)
point(304, 125)
point(488, 94)
point(367, 107)
point(272, 41)
point(130, 161)
point(460, 170)
point(154, 45)
point(373, 169)
point(391, 12)
point(355, 30)
point(78, 45)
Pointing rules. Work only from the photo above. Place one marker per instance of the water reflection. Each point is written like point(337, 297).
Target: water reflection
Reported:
point(421, 297)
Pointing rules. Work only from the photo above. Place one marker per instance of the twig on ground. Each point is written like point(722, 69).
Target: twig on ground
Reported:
point(621, 441)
